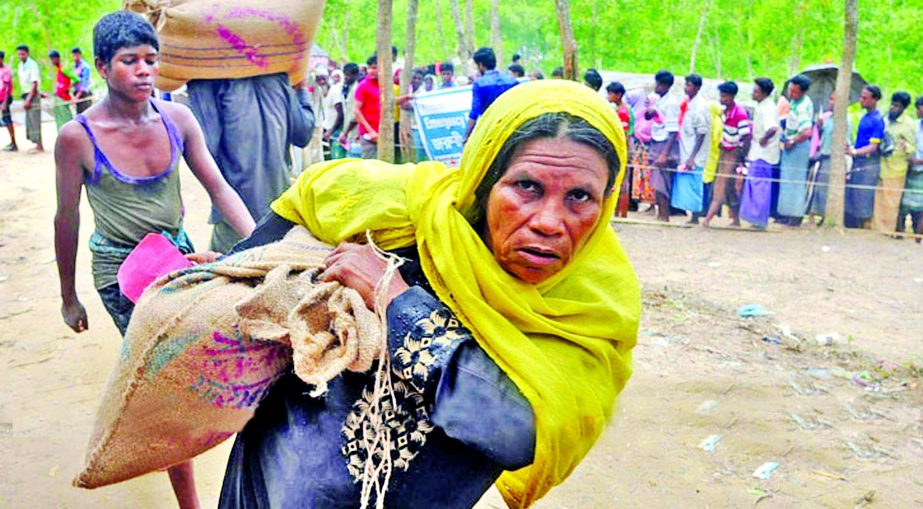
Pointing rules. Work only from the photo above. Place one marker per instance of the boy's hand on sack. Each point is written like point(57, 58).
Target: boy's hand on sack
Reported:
point(75, 316)
point(360, 268)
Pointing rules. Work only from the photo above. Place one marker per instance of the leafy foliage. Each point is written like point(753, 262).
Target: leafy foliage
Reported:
point(742, 38)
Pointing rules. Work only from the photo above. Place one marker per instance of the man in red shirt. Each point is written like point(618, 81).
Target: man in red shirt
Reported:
point(62, 101)
point(6, 100)
point(368, 109)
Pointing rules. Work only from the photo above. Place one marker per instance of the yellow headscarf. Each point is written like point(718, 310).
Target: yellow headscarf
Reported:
point(566, 342)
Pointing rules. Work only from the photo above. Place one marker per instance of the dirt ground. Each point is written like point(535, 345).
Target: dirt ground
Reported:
point(842, 420)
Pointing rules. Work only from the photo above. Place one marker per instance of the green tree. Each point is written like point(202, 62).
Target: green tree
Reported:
point(44, 25)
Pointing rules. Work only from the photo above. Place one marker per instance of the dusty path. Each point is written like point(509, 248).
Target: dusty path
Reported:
point(699, 369)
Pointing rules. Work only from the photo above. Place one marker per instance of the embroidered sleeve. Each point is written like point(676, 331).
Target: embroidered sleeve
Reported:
point(470, 397)
point(423, 334)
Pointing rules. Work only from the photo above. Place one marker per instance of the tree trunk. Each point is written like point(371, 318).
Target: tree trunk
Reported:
point(698, 36)
point(794, 61)
point(496, 39)
point(442, 44)
point(386, 125)
point(835, 193)
point(746, 31)
point(410, 45)
point(716, 52)
point(889, 48)
point(469, 26)
point(462, 47)
point(344, 36)
point(568, 43)
point(594, 31)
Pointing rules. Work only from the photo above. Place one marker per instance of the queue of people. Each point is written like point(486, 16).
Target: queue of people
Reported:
point(770, 161)
point(347, 99)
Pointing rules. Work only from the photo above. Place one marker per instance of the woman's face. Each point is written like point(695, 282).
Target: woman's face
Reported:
point(543, 208)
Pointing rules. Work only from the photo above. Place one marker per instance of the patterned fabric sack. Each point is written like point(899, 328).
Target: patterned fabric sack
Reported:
point(205, 344)
point(204, 39)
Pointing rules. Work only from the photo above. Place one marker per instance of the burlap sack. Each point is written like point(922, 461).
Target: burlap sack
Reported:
point(206, 343)
point(205, 39)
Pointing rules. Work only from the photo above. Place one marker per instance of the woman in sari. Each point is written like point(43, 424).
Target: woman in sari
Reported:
point(510, 322)
point(642, 189)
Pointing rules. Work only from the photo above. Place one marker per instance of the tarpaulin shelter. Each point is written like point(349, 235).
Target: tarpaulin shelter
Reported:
point(823, 82)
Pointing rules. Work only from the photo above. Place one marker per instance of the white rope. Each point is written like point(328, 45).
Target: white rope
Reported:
point(378, 464)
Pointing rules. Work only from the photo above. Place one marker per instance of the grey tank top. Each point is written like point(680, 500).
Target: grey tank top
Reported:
point(126, 208)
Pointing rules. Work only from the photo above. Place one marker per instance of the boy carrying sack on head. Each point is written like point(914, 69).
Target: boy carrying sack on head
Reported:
point(126, 151)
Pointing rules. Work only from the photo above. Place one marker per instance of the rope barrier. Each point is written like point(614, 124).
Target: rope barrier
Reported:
point(376, 474)
point(771, 179)
point(643, 222)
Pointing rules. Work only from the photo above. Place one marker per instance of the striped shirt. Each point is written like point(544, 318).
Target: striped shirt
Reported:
point(736, 127)
point(800, 117)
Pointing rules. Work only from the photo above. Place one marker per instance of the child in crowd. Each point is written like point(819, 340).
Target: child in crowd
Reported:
point(125, 150)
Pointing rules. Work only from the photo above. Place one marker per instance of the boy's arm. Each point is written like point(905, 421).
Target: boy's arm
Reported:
point(69, 179)
point(203, 166)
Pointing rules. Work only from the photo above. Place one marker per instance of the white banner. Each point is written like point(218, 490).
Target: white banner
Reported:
point(442, 117)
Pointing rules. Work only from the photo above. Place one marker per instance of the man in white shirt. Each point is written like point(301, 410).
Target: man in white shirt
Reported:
point(664, 152)
point(764, 154)
point(693, 142)
point(29, 81)
point(333, 114)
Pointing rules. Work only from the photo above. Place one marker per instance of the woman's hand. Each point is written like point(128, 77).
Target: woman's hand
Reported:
point(360, 268)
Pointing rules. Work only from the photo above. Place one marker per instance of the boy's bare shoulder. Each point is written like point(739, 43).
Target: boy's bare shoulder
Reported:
point(72, 136)
point(73, 149)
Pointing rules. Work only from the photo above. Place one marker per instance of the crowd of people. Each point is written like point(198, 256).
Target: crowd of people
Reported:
point(772, 161)
point(347, 101)
point(72, 90)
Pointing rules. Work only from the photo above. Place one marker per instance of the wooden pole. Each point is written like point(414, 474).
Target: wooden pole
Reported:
point(698, 36)
point(410, 45)
point(496, 39)
point(836, 191)
point(462, 47)
point(568, 43)
point(385, 83)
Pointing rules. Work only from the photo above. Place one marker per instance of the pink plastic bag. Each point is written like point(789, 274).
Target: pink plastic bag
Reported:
point(153, 257)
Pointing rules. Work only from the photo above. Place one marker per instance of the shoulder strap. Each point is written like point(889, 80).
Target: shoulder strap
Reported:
point(172, 131)
point(98, 155)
